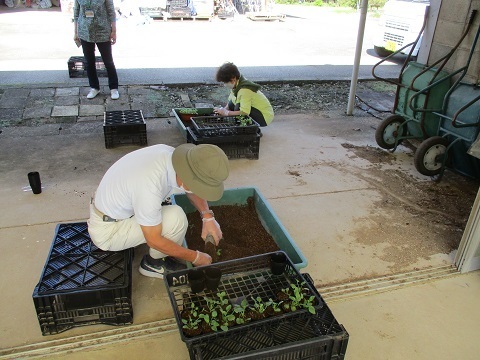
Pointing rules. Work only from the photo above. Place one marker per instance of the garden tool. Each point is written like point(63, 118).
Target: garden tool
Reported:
point(211, 247)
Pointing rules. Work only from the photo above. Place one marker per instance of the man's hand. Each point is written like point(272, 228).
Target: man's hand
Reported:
point(213, 228)
point(203, 259)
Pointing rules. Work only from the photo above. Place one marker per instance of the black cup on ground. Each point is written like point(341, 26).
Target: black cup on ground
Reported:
point(196, 279)
point(213, 275)
point(278, 261)
point(35, 183)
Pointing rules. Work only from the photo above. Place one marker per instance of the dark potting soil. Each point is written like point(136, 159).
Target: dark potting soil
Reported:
point(243, 233)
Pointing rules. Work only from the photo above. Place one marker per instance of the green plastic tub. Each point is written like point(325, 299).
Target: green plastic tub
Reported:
point(239, 196)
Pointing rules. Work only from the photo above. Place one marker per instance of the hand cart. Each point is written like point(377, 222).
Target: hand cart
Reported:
point(418, 87)
point(459, 126)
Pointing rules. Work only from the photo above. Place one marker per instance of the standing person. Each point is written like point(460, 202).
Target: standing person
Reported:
point(126, 210)
point(95, 25)
point(245, 97)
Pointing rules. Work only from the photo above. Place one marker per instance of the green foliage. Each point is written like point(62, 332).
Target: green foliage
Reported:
point(353, 4)
point(298, 298)
point(194, 319)
point(187, 111)
point(211, 321)
point(241, 311)
point(244, 120)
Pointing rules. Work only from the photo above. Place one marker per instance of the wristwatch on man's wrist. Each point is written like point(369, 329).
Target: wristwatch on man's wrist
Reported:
point(206, 212)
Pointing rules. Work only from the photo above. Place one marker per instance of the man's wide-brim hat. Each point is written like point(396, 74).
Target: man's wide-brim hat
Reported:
point(202, 168)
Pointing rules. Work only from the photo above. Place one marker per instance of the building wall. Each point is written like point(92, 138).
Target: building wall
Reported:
point(446, 23)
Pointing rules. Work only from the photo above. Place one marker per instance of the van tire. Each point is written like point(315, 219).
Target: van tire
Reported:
point(381, 51)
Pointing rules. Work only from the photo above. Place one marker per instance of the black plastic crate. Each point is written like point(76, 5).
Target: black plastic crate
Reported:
point(124, 127)
point(77, 67)
point(82, 284)
point(310, 337)
point(234, 146)
point(209, 126)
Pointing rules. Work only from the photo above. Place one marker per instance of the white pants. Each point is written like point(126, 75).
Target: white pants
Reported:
point(124, 234)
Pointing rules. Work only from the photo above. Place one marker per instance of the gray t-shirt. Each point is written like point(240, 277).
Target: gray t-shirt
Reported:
point(94, 29)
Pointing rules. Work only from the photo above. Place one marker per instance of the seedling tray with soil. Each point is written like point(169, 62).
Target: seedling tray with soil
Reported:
point(247, 283)
point(183, 117)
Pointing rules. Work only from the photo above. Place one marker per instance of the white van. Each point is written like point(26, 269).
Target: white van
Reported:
point(400, 24)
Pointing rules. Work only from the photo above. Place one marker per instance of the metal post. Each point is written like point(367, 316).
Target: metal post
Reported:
point(358, 53)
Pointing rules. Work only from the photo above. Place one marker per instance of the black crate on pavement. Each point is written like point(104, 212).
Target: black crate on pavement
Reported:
point(234, 146)
point(81, 284)
point(77, 67)
point(294, 335)
point(124, 127)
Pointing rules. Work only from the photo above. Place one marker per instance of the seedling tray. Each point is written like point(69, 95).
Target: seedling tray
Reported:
point(210, 126)
point(183, 118)
point(241, 279)
point(318, 337)
point(82, 284)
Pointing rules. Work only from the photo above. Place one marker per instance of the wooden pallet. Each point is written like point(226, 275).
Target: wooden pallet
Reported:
point(265, 16)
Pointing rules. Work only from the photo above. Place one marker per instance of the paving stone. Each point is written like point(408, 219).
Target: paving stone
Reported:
point(40, 102)
point(10, 117)
point(87, 110)
point(62, 111)
point(96, 118)
point(66, 100)
point(16, 93)
point(139, 90)
point(116, 106)
point(71, 91)
point(37, 112)
point(41, 93)
point(98, 100)
point(13, 102)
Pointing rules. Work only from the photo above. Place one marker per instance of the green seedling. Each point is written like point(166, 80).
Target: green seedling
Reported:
point(259, 305)
point(299, 300)
point(210, 320)
point(187, 111)
point(241, 311)
point(244, 120)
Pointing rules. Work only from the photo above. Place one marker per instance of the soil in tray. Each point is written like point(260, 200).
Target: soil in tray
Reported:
point(243, 233)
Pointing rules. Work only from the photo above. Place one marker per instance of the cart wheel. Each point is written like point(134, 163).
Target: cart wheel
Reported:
point(430, 154)
point(388, 130)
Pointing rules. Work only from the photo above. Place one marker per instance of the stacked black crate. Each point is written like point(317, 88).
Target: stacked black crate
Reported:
point(124, 127)
point(238, 136)
point(300, 334)
point(81, 284)
point(77, 67)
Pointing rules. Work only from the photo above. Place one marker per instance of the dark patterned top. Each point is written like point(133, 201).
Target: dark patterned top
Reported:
point(98, 28)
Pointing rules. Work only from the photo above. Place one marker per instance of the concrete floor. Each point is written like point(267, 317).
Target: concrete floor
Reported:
point(436, 317)
point(418, 308)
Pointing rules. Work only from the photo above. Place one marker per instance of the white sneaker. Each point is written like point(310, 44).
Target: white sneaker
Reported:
point(93, 92)
point(114, 94)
